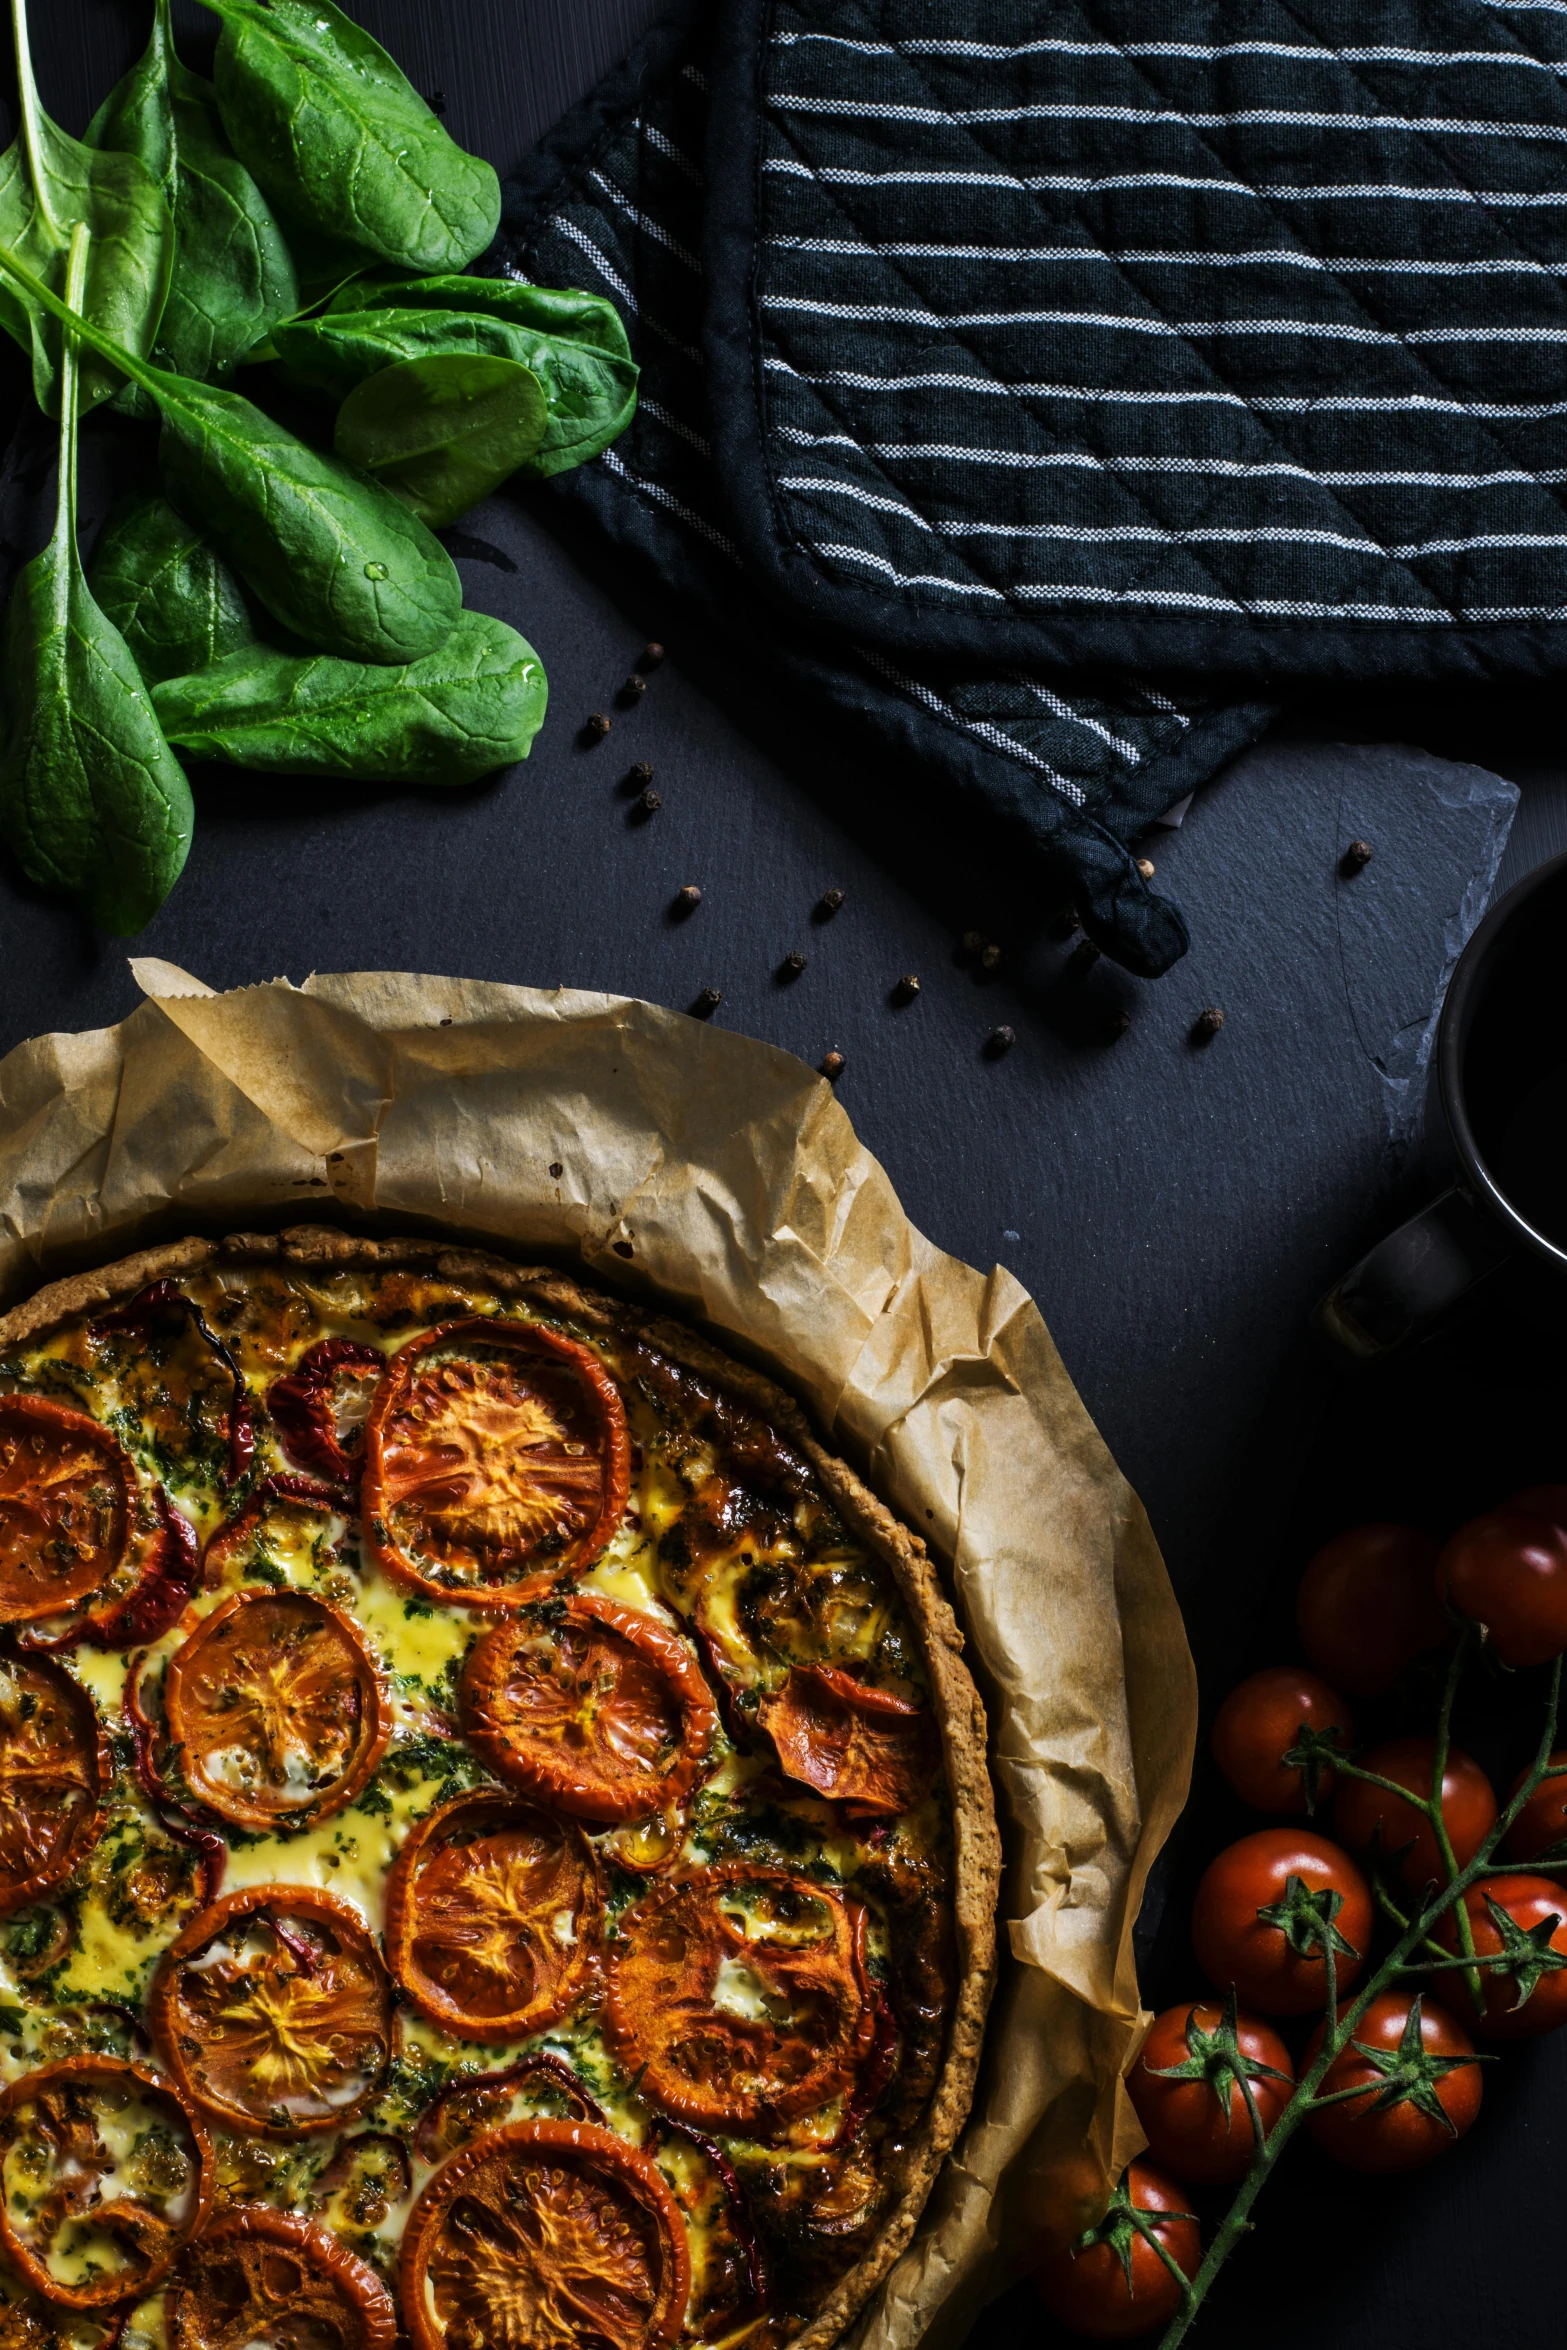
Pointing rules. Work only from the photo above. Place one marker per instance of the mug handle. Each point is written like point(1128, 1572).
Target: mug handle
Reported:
point(1412, 1280)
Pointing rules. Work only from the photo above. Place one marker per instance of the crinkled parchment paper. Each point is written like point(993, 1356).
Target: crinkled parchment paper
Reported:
point(723, 1176)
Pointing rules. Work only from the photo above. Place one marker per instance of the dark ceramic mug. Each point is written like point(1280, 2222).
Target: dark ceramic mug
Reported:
point(1501, 1060)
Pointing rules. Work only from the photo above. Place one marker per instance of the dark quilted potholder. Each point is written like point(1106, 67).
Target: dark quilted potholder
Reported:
point(615, 201)
point(1194, 334)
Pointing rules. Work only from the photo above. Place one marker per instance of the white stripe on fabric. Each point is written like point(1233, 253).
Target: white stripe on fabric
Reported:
point(1162, 702)
point(1107, 534)
point(647, 227)
point(1198, 53)
point(1232, 118)
point(1176, 599)
point(1285, 256)
point(1178, 330)
point(1220, 468)
point(671, 153)
point(1059, 709)
point(661, 497)
point(672, 423)
point(1336, 403)
point(1072, 184)
point(975, 726)
point(569, 228)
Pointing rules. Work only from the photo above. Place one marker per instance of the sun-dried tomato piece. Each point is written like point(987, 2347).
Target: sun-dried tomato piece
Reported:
point(278, 1709)
point(55, 1768)
point(605, 1714)
point(104, 2174)
point(264, 2276)
point(66, 1492)
point(738, 1997)
point(493, 1916)
point(545, 2234)
point(496, 1457)
point(319, 1407)
point(854, 1743)
point(272, 2010)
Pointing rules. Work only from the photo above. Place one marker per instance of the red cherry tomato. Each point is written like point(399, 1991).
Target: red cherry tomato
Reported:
point(1086, 2286)
point(1258, 1724)
point(1543, 1819)
point(1198, 2125)
point(1280, 1969)
point(1508, 1571)
point(1430, 2050)
point(1527, 1902)
point(1369, 1819)
point(1367, 1607)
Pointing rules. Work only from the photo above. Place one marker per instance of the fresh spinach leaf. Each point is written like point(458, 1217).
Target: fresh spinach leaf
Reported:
point(233, 276)
point(92, 799)
point(167, 590)
point(443, 432)
point(341, 141)
point(589, 386)
point(336, 558)
point(456, 715)
point(49, 182)
point(560, 311)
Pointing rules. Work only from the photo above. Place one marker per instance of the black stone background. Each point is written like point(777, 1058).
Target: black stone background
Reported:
point(1174, 1210)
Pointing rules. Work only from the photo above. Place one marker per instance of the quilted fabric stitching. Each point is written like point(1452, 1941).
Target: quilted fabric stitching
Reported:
point(1423, 366)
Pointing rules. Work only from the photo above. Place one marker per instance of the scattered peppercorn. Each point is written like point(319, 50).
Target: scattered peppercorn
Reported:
point(832, 1067)
point(1081, 960)
point(1207, 1024)
point(989, 958)
point(651, 656)
point(556, 1170)
point(972, 942)
point(707, 1003)
point(650, 802)
point(597, 727)
point(1355, 859)
point(829, 902)
point(792, 965)
point(999, 1041)
point(632, 691)
point(641, 774)
point(1116, 1023)
point(907, 989)
point(688, 899)
point(1145, 867)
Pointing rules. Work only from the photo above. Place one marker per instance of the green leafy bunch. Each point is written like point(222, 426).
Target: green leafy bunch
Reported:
point(266, 598)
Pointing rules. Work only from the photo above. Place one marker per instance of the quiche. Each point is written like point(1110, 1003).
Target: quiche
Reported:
point(496, 1849)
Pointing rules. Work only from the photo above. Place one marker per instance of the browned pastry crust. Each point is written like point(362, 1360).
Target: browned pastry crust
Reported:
point(976, 1843)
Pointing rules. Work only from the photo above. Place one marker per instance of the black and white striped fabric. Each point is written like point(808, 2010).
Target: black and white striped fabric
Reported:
point(1186, 334)
point(616, 200)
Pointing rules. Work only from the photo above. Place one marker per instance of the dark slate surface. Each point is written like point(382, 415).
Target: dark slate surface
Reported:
point(1175, 1210)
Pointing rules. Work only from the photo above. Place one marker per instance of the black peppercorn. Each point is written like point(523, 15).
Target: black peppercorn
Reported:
point(707, 1003)
point(972, 942)
point(651, 656)
point(832, 1066)
point(1145, 867)
point(1207, 1024)
point(641, 774)
point(632, 691)
point(596, 727)
point(556, 1170)
point(689, 898)
point(650, 802)
point(792, 965)
point(907, 989)
point(829, 901)
point(1355, 859)
point(999, 1041)
point(1115, 1024)
point(989, 957)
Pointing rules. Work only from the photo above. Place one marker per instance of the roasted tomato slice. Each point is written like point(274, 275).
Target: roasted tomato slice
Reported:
point(55, 1768)
point(493, 1916)
point(273, 2011)
point(496, 1456)
point(606, 1715)
point(278, 1709)
point(262, 2276)
point(738, 1997)
point(319, 1407)
point(544, 2234)
point(104, 2175)
point(859, 1745)
point(65, 1498)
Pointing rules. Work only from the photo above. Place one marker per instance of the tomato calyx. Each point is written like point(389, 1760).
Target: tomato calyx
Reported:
point(1124, 2221)
point(1218, 2058)
point(1316, 1754)
point(1305, 1919)
point(161, 1301)
point(303, 1405)
point(539, 2066)
point(1526, 1953)
point(1409, 2074)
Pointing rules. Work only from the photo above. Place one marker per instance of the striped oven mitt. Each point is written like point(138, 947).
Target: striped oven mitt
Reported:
point(617, 201)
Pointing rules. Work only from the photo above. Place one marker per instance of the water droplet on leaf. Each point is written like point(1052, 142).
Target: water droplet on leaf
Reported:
point(375, 571)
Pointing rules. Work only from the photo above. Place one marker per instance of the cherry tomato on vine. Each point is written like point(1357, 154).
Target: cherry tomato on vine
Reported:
point(1367, 1607)
point(1265, 1910)
point(1188, 2096)
point(1525, 1917)
point(1542, 1822)
point(1508, 1571)
point(1371, 1820)
point(1112, 2285)
point(1261, 1721)
point(1413, 2045)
